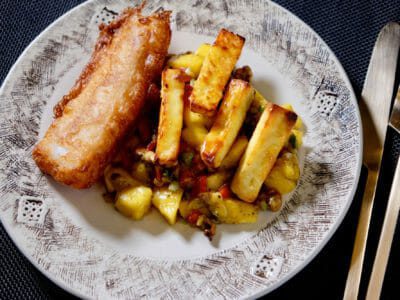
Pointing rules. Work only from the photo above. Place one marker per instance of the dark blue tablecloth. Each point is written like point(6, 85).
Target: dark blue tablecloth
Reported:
point(350, 29)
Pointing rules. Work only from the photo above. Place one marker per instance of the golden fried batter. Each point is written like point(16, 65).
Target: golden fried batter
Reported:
point(106, 99)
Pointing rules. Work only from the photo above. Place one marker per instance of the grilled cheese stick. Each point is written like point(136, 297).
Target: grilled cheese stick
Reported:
point(269, 137)
point(171, 116)
point(215, 72)
point(228, 122)
point(232, 159)
point(99, 110)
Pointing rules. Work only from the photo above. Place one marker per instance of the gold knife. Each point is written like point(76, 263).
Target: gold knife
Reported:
point(389, 223)
point(374, 107)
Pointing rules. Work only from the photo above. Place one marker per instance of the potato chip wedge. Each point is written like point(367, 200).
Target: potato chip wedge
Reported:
point(215, 72)
point(228, 122)
point(171, 116)
point(269, 137)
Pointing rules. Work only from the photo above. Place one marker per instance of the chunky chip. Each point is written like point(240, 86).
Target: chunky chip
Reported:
point(171, 116)
point(228, 122)
point(215, 72)
point(269, 137)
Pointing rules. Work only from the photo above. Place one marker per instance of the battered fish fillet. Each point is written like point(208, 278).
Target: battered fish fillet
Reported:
point(92, 119)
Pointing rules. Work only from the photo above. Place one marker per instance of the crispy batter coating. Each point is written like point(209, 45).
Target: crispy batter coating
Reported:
point(94, 116)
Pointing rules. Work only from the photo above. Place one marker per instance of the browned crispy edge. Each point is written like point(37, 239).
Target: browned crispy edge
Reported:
point(208, 157)
point(163, 125)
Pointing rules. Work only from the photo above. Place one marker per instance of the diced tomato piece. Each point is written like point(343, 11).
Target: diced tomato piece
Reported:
point(158, 172)
point(200, 186)
point(202, 182)
point(187, 93)
point(225, 191)
point(197, 164)
point(193, 216)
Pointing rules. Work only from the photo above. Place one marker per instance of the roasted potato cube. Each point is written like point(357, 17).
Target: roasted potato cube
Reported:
point(203, 50)
point(134, 202)
point(194, 136)
point(189, 61)
point(215, 72)
point(279, 182)
point(269, 137)
point(216, 180)
point(228, 122)
point(186, 207)
point(171, 116)
point(167, 202)
point(230, 211)
point(232, 159)
point(285, 173)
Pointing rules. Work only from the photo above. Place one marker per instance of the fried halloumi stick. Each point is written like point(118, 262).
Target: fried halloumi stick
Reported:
point(171, 116)
point(232, 159)
point(215, 72)
point(228, 122)
point(99, 110)
point(269, 137)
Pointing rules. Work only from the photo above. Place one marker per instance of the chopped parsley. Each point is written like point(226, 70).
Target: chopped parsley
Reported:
point(264, 205)
point(167, 173)
point(187, 158)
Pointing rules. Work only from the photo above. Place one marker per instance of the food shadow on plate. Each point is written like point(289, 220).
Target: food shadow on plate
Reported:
point(317, 173)
point(88, 208)
point(223, 229)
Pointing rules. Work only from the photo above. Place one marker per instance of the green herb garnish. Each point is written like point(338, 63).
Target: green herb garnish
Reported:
point(187, 158)
point(167, 173)
point(261, 109)
point(263, 205)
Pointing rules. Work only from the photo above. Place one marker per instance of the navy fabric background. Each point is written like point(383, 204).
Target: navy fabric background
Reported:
point(350, 29)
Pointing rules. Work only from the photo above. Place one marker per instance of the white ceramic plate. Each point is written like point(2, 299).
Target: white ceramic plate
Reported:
point(83, 245)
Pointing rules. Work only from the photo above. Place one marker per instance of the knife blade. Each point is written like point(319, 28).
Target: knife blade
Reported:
point(374, 107)
point(390, 220)
point(394, 121)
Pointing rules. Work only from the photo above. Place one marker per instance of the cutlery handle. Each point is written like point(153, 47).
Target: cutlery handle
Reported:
point(386, 239)
point(357, 258)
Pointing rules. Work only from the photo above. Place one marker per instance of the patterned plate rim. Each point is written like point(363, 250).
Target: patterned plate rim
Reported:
point(321, 243)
